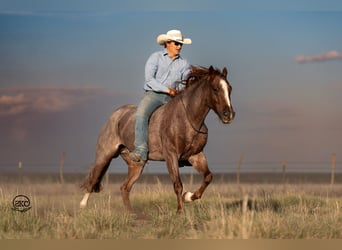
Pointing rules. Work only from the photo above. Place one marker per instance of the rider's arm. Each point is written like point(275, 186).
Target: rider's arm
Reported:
point(151, 68)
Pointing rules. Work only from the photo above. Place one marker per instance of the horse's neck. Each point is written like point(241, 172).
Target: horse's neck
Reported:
point(195, 105)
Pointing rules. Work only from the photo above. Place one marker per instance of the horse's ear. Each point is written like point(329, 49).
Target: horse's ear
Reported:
point(211, 69)
point(225, 72)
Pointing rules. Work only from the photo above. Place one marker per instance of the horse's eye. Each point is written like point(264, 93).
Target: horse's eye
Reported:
point(215, 89)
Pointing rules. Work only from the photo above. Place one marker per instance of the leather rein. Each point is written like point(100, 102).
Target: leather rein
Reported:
point(186, 112)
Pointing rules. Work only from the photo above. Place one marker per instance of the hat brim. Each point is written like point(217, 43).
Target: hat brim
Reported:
point(163, 38)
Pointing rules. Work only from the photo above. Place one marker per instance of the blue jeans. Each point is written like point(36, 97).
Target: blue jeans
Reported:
point(149, 103)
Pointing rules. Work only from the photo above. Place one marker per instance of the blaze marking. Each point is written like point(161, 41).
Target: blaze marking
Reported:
point(225, 91)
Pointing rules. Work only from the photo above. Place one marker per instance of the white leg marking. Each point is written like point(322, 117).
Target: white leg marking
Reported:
point(187, 197)
point(224, 86)
point(84, 201)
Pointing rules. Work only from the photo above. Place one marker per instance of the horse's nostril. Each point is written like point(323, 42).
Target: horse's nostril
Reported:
point(226, 113)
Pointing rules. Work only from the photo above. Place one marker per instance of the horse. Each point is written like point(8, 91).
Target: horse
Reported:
point(177, 135)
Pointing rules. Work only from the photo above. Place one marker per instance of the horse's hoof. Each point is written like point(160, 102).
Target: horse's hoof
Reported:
point(187, 197)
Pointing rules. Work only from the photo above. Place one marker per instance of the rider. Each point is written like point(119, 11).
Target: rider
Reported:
point(163, 70)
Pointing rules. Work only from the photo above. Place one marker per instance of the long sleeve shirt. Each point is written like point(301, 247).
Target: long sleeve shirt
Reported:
point(162, 73)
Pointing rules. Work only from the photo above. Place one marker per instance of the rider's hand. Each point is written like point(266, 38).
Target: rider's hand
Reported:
point(172, 92)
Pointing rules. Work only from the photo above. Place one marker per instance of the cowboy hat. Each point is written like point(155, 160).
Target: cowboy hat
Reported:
point(173, 35)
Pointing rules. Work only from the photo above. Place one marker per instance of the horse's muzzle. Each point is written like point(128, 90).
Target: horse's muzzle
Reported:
point(227, 116)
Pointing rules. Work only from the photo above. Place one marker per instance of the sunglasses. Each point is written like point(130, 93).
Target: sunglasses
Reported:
point(177, 43)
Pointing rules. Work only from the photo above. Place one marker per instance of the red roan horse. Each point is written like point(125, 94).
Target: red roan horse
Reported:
point(177, 135)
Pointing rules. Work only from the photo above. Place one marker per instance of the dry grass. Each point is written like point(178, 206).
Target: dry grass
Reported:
point(226, 211)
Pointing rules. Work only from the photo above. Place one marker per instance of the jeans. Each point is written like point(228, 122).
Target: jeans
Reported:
point(149, 103)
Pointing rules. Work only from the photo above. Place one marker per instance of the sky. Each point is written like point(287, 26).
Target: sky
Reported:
point(66, 65)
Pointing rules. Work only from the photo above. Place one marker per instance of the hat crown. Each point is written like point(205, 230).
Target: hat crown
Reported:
point(175, 35)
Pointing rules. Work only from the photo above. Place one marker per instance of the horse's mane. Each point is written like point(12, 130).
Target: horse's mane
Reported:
point(197, 73)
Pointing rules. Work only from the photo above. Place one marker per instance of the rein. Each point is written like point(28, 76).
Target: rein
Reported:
point(187, 116)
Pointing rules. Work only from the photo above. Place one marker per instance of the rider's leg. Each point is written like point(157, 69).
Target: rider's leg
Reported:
point(150, 102)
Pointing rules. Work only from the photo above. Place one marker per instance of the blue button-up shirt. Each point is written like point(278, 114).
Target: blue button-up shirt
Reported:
point(162, 73)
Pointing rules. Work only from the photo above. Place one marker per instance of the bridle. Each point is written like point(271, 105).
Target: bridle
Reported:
point(187, 116)
point(184, 82)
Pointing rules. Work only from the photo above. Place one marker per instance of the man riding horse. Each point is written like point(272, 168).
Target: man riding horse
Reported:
point(163, 70)
point(176, 131)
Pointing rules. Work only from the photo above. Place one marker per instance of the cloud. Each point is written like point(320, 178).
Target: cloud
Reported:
point(56, 101)
point(8, 100)
point(16, 100)
point(13, 110)
point(12, 104)
point(325, 56)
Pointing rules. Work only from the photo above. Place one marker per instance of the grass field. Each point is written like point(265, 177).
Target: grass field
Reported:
point(254, 210)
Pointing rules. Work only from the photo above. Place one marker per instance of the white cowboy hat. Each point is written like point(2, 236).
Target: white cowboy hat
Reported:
point(173, 35)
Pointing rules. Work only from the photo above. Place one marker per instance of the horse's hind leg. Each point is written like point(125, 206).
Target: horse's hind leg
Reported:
point(199, 162)
point(134, 172)
point(94, 178)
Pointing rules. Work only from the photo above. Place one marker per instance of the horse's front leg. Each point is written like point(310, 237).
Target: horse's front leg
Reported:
point(172, 166)
point(199, 162)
